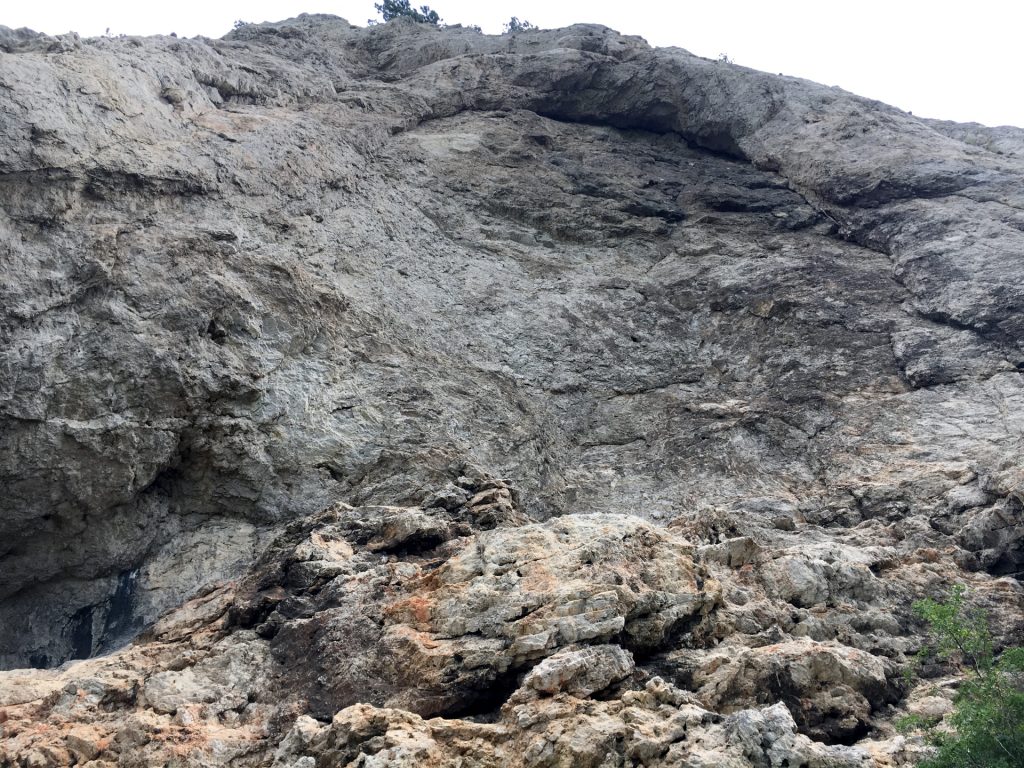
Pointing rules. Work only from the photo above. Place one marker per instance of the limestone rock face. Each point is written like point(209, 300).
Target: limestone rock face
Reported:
point(423, 396)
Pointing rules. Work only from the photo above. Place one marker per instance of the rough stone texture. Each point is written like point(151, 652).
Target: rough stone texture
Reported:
point(585, 640)
point(646, 729)
point(453, 634)
point(582, 671)
point(484, 365)
point(831, 689)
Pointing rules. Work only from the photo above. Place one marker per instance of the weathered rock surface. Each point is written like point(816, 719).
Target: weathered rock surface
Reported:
point(648, 728)
point(581, 671)
point(450, 632)
point(542, 399)
point(325, 627)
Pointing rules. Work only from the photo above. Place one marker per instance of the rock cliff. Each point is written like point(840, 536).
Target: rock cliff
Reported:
point(423, 396)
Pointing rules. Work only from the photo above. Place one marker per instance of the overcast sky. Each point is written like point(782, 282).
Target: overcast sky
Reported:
point(950, 60)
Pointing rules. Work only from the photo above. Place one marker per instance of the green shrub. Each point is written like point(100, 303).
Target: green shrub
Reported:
point(988, 718)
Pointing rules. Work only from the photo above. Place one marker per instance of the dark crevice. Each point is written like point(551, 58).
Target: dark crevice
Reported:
point(121, 623)
point(80, 632)
point(39, 661)
point(720, 144)
point(686, 632)
point(485, 705)
point(419, 544)
point(846, 737)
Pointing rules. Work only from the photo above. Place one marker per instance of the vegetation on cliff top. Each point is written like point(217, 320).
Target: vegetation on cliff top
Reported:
point(393, 9)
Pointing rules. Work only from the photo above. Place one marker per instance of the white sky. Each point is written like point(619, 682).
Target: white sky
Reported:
point(950, 60)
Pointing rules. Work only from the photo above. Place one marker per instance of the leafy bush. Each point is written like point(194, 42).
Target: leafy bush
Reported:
point(392, 9)
point(988, 719)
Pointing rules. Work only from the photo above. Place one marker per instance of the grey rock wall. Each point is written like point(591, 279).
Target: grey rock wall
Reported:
point(244, 279)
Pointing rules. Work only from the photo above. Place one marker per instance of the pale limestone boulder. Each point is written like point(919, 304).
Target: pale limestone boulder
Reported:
point(797, 580)
point(831, 690)
point(580, 671)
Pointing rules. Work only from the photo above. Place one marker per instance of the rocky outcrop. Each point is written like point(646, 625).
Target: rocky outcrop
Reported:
point(531, 399)
point(514, 630)
point(457, 627)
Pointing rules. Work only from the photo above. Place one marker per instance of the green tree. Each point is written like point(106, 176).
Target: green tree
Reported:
point(515, 25)
point(988, 718)
point(392, 9)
